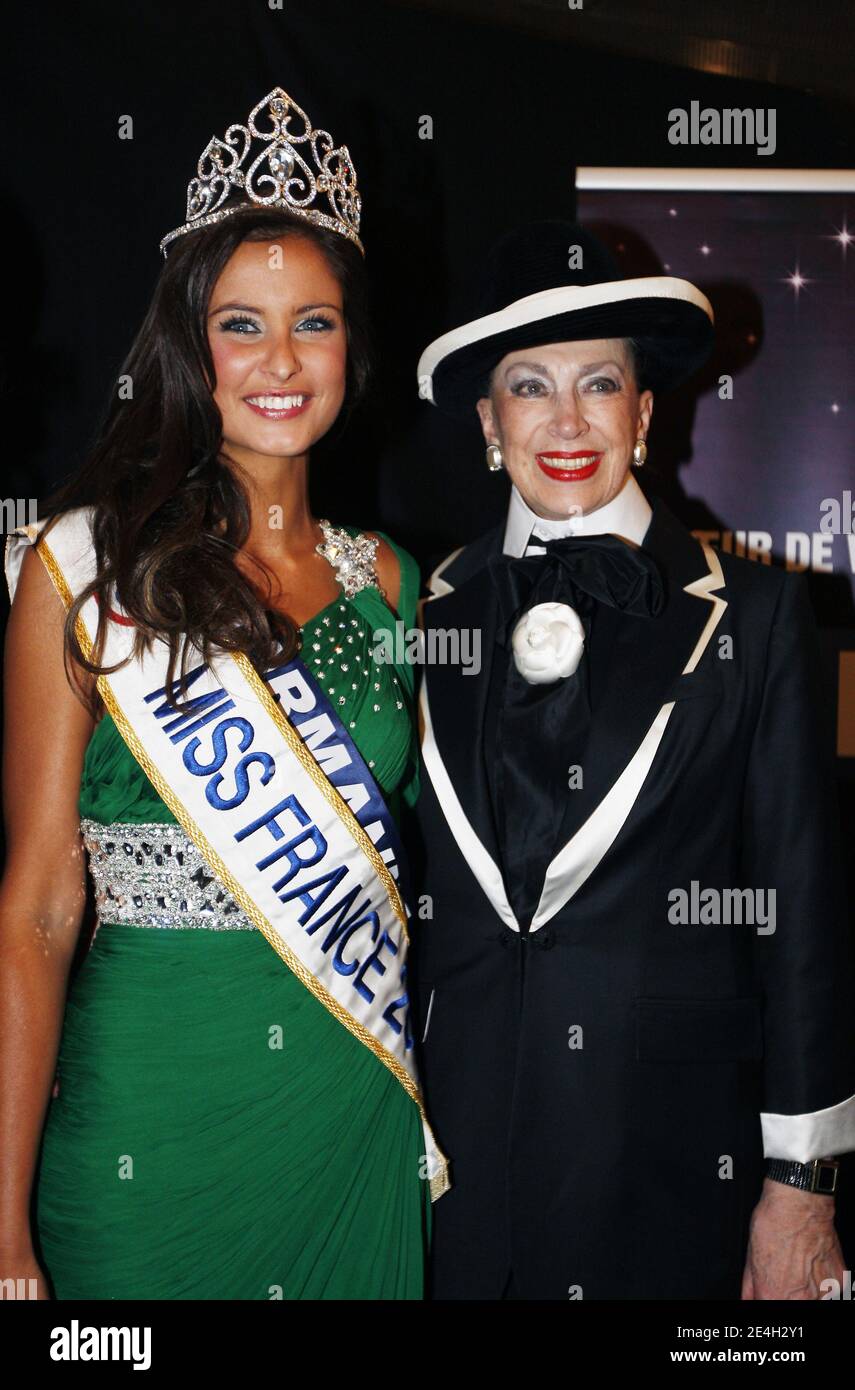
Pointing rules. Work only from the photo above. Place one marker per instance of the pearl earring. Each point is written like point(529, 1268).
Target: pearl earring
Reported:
point(639, 453)
point(495, 461)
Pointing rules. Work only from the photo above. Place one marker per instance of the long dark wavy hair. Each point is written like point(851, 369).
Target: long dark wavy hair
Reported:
point(169, 515)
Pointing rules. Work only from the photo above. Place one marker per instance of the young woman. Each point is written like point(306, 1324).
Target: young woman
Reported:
point(229, 1122)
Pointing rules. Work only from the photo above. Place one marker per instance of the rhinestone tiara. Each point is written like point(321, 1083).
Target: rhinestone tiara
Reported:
point(277, 165)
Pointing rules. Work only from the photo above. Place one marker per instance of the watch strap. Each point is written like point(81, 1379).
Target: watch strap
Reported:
point(819, 1175)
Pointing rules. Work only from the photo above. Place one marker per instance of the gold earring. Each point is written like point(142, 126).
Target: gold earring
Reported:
point(495, 461)
point(639, 453)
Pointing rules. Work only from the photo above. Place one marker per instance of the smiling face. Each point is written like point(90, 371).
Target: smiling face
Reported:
point(278, 339)
point(566, 416)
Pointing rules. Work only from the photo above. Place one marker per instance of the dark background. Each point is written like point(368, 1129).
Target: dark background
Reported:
point(518, 97)
point(519, 94)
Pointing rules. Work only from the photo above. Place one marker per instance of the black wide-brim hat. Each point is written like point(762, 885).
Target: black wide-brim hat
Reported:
point(530, 294)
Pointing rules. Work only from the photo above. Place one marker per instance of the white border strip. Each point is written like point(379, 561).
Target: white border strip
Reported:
point(583, 851)
point(718, 180)
point(481, 863)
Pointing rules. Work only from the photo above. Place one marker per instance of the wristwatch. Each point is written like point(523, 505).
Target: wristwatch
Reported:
point(820, 1175)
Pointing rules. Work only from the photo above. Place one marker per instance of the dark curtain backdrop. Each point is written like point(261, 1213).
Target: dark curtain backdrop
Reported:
point(512, 116)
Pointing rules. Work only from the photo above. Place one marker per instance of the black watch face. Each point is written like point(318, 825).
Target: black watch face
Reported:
point(825, 1180)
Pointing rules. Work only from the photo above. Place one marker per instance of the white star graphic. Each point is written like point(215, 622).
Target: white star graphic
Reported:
point(843, 237)
point(796, 281)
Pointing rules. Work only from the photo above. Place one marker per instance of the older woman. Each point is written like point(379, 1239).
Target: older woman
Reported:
point(636, 991)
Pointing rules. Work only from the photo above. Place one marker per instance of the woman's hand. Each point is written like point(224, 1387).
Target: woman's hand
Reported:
point(793, 1246)
point(21, 1276)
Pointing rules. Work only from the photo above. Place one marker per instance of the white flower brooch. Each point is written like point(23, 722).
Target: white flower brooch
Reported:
point(548, 642)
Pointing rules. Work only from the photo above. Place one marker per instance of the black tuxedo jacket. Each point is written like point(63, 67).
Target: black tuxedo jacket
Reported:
point(605, 1080)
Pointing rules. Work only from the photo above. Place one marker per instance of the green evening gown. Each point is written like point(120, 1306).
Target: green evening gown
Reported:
point(183, 1157)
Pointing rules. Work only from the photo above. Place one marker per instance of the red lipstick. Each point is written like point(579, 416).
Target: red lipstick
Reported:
point(550, 464)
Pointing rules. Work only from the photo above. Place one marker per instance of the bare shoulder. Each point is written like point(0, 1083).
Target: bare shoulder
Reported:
point(37, 616)
point(35, 635)
point(388, 569)
point(35, 673)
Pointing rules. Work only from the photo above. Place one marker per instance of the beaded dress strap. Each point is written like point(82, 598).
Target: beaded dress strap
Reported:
point(354, 558)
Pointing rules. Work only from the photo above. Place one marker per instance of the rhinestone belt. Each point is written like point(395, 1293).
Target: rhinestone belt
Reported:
point(153, 875)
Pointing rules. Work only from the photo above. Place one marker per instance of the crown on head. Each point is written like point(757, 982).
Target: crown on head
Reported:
point(278, 167)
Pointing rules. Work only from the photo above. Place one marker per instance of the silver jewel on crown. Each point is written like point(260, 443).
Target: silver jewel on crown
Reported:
point(279, 165)
point(352, 558)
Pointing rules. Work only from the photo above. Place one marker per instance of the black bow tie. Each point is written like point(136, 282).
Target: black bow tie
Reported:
point(575, 570)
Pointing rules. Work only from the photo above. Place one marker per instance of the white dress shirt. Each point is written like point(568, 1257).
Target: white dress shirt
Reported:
point(626, 515)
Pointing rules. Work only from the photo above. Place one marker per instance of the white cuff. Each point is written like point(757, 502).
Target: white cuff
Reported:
point(818, 1134)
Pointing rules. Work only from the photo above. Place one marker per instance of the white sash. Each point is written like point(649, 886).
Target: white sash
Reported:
point(270, 824)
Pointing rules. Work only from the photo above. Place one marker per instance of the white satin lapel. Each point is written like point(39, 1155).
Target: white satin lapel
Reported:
point(437, 585)
point(581, 854)
point(703, 588)
point(480, 861)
